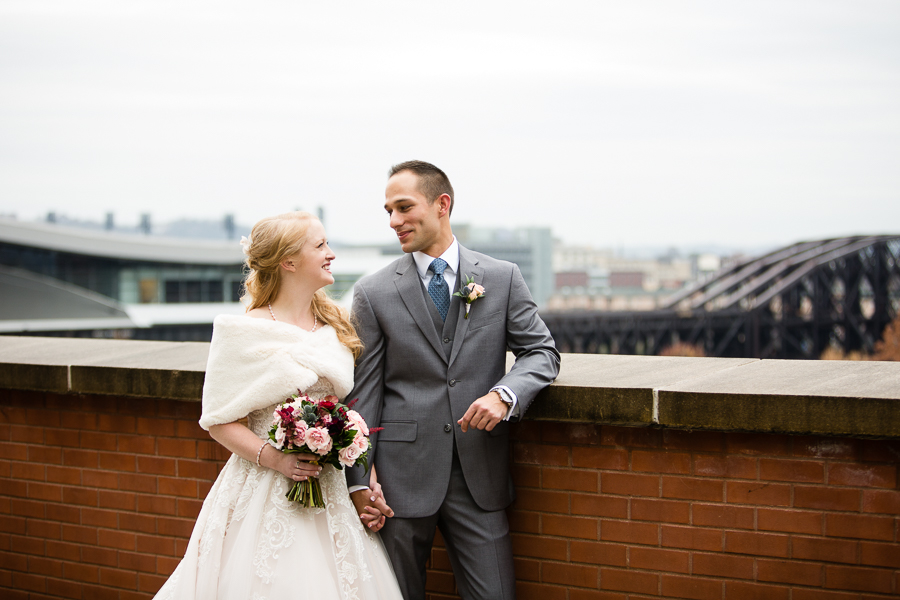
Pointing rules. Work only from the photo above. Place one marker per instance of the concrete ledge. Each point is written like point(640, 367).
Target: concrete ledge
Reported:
point(817, 397)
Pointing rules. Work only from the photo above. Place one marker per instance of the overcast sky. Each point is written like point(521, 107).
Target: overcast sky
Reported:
point(616, 123)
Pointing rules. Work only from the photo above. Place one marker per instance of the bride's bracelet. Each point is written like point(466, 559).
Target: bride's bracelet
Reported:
point(259, 453)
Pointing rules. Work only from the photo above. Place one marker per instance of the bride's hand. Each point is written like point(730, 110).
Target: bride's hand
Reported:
point(296, 467)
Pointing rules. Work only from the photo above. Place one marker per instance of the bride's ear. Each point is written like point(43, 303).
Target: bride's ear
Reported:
point(288, 265)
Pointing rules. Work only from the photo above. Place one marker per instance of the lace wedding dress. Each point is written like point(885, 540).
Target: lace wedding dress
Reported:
point(252, 543)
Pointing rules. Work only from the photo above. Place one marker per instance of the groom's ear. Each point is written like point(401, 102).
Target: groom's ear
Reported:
point(444, 201)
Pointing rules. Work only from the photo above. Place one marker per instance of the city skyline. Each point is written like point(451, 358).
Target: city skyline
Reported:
point(752, 125)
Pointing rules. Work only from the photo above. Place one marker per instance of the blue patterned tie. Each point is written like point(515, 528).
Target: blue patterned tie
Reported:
point(438, 288)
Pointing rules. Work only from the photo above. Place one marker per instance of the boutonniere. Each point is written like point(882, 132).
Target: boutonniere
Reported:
point(470, 292)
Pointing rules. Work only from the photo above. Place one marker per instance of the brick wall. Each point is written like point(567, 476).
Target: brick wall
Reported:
point(98, 496)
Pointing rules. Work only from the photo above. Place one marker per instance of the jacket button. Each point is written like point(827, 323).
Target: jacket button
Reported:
point(447, 340)
point(448, 428)
point(452, 382)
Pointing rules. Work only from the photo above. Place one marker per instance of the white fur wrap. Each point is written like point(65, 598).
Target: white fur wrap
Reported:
point(254, 363)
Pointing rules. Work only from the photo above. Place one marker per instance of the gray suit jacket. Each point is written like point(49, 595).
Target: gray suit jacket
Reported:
point(408, 381)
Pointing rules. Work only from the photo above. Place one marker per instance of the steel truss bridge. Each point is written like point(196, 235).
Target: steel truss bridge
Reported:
point(791, 303)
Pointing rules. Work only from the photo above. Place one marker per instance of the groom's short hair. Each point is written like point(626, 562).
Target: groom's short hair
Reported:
point(432, 181)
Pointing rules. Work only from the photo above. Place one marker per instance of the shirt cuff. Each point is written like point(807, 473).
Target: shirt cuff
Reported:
point(508, 396)
point(356, 488)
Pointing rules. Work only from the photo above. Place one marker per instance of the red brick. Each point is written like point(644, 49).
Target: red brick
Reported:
point(176, 447)
point(27, 545)
point(101, 479)
point(541, 455)
point(742, 590)
point(572, 527)
point(583, 594)
point(97, 441)
point(80, 496)
point(569, 575)
point(879, 555)
point(208, 450)
point(881, 501)
point(660, 462)
point(63, 438)
point(569, 479)
point(137, 522)
point(136, 444)
point(794, 521)
point(26, 581)
point(629, 581)
point(721, 515)
point(13, 487)
point(117, 500)
point(804, 594)
point(150, 583)
point(27, 470)
point(156, 427)
point(824, 447)
point(81, 572)
point(13, 561)
point(693, 441)
point(65, 513)
point(196, 469)
point(732, 467)
point(696, 588)
point(542, 500)
point(539, 591)
point(598, 553)
point(692, 537)
point(65, 589)
point(758, 444)
point(642, 437)
point(134, 482)
point(23, 452)
point(158, 505)
point(859, 526)
point(862, 475)
point(885, 451)
point(65, 550)
point(758, 492)
point(118, 578)
point(580, 434)
point(156, 465)
point(99, 556)
point(12, 524)
point(629, 484)
point(519, 520)
point(27, 508)
point(115, 461)
point(121, 540)
point(99, 518)
point(807, 471)
point(693, 489)
point(826, 497)
point(722, 565)
point(608, 459)
point(81, 458)
point(116, 423)
point(599, 505)
point(759, 544)
point(540, 547)
point(154, 544)
point(858, 579)
point(78, 534)
point(794, 572)
point(657, 559)
point(525, 475)
point(66, 475)
point(190, 429)
point(133, 561)
point(45, 491)
point(666, 511)
point(526, 431)
point(629, 532)
point(45, 566)
point(824, 549)
point(176, 527)
point(177, 487)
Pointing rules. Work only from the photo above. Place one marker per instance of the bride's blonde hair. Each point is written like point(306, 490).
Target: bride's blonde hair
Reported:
point(273, 240)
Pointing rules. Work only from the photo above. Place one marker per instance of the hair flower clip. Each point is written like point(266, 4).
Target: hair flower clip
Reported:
point(245, 244)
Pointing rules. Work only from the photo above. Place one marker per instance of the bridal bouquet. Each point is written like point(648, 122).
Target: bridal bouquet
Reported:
point(327, 428)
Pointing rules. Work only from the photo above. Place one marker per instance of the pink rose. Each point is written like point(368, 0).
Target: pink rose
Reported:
point(299, 437)
point(348, 456)
point(358, 422)
point(279, 437)
point(361, 442)
point(475, 292)
point(318, 440)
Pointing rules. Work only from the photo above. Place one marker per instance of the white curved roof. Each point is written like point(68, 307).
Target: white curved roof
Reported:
point(117, 245)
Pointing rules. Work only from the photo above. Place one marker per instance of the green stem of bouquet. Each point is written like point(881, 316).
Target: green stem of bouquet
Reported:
point(308, 493)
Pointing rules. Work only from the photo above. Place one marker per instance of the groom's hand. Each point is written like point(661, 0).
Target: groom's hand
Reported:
point(371, 507)
point(484, 413)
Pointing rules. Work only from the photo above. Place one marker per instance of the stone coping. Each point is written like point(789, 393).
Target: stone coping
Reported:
point(726, 394)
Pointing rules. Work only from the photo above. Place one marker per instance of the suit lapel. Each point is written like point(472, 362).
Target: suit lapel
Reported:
point(468, 266)
point(410, 288)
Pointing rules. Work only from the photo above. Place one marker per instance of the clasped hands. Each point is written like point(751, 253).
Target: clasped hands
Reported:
point(370, 504)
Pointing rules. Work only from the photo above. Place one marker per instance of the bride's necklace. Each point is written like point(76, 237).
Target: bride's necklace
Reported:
point(315, 319)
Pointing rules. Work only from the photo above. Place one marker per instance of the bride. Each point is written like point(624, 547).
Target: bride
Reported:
point(250, 542)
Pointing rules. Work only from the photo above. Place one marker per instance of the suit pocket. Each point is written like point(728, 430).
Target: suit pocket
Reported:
point(486, 320)
point(398, 431)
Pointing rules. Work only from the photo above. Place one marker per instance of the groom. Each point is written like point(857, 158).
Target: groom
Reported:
point(436, 382)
